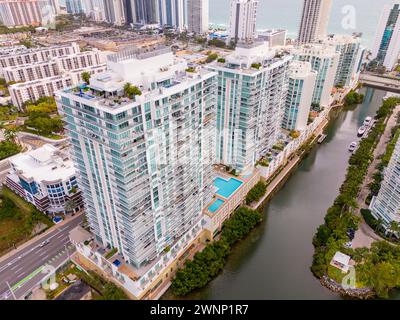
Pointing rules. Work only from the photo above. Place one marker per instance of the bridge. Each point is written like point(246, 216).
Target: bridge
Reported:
point(380, 82)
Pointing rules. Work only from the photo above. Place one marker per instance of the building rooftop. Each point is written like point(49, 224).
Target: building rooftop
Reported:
point(155, 74)
point(248, 55)
point(47, 163)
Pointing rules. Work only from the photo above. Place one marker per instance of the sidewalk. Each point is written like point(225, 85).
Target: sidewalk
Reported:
point(365, 236)
point(40, 236)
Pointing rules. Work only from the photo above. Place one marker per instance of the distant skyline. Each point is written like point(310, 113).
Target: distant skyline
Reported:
point(287, 14)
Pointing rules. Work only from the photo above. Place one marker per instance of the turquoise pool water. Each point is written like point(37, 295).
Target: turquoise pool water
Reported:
point(227, 187)
point(215, 205)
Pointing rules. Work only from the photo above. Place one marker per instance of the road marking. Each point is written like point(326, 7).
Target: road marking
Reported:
point(27, 278)
point(16, 271)
point(14, 267)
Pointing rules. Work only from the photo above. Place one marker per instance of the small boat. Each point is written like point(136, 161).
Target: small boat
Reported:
point(367, 121)
point(362, 130)
point(353, 146)
point(322, 138)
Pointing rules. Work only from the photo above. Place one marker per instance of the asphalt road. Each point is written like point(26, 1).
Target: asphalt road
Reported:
point(23, 270)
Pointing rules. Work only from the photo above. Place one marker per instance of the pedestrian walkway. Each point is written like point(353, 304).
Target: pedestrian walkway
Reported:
point(365, 236)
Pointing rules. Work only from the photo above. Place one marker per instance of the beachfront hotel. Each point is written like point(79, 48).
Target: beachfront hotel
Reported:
point(299, 95)
point(314, 20)
point(144, 161)
point(252, 86)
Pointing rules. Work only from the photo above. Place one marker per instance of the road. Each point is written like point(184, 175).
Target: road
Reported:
point(22, 271)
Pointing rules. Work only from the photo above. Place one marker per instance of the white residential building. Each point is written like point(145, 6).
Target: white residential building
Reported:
point(324, 60)
point(314, 20)
point(197, 13)
point(242, 21)
point(274, 37)
point(252, 86)
point(386, 205)
point(46, 178)
point(299, 95)
point(29, 56)
point(53, 67)
point(144, 162)
point(350, 59)
point(33, 90)
point(386, 48)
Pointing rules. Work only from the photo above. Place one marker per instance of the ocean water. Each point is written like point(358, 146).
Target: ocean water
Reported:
point(287, 14)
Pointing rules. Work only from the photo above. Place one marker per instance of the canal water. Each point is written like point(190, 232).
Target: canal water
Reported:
point(274, 261)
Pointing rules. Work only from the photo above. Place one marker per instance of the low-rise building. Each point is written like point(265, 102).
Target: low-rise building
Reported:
point(28, 56)
point(274, 37)
point(33, 90)
point(341, 261)
point(52, 67)
point(46, 178)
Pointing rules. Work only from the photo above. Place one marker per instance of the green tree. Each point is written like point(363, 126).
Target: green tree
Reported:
point(86, 77)
point(69, 206)
point(131, 90)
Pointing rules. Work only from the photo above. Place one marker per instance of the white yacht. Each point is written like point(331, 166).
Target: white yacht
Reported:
point(362, 130)
point(367, 121)
point(353, 146)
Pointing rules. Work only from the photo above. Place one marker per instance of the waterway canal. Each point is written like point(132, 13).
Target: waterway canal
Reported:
point(274, 261)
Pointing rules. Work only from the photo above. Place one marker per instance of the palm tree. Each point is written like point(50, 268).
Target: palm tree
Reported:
point(378, 224)
point(10, 134)
point(394, 228)
point(69, 206)
point(86, 77)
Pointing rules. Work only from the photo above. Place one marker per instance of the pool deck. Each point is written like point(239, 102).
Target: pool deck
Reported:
point(220, 172)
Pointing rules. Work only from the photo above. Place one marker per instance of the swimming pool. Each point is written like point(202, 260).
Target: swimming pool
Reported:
point(215, 205)
point(227, 187)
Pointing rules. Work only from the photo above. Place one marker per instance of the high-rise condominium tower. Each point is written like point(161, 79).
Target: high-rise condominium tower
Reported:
point(252, 86)
point(314, 20)
point(197, 13)
point(173, 13)
point(142, 11)
point(324, 60)
point(144, 161)
point(299, 95)
point(350, 59)
point(386, 205)
point(27, 12)
point(386, 47)
point(114, 12)
point(243, 17)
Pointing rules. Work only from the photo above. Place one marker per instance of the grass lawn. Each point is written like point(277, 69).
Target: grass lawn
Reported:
point(50, 136)
point(18, 219)
point(335, 274)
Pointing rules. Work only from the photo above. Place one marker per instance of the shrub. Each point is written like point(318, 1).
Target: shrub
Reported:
point(256, 192)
